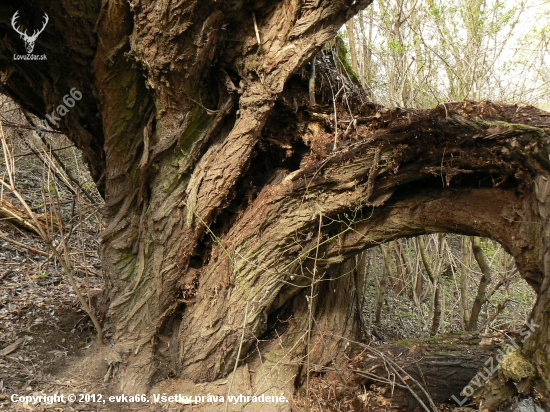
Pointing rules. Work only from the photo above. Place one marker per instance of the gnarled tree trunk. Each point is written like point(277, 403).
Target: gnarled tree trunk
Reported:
point(226, 198)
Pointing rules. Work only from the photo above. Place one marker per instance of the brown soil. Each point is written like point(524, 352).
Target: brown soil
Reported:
point(39, 313)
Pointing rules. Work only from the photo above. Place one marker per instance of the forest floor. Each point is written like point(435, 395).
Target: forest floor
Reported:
point(43, 330)
point(45, 336)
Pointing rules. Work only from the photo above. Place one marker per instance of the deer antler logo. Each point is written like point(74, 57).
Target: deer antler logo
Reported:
point(29, 40)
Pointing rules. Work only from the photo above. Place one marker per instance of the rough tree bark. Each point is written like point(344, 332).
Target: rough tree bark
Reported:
point(224, 194)
point(443, 365)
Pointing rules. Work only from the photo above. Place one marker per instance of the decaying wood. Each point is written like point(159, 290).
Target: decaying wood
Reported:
point(336, 186)
point(443, 366)
point(20, 218)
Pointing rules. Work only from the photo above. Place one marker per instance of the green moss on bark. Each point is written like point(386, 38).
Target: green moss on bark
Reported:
point(515, 367)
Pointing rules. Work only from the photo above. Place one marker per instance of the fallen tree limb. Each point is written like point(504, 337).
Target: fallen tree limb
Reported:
point(19, 217)
point(16, 216)
point(11, 348)
point(22, 245)
point(440, 367)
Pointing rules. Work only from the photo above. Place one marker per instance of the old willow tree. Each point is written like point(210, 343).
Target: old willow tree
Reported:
point(228, 192)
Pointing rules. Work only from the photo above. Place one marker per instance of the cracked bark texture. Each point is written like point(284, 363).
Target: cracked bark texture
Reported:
point(216, 174)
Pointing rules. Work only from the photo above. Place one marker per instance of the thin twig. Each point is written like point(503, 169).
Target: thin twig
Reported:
point(310, 307)
point(238, 357)
point(34, 152)
point(256, 30)
point(31, 249)
point(46, 236)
